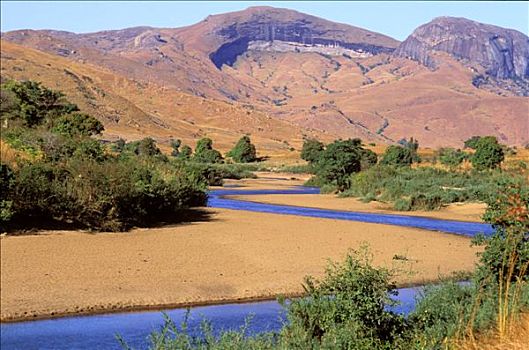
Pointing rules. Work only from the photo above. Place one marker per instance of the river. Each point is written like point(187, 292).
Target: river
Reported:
point(99, 331)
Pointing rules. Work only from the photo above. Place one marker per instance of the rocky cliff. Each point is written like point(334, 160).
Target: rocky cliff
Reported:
point(235, 31)
point(490, 51)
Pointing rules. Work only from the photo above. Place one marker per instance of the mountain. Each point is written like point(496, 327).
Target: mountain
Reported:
point(282, 75)
point(231, 35)
point(134, 109)
point(494, 52)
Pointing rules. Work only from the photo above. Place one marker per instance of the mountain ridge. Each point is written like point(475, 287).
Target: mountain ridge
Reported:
point(319, 75)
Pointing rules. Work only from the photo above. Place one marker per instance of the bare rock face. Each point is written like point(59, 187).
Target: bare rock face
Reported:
point(497, 52)
point(238, 30)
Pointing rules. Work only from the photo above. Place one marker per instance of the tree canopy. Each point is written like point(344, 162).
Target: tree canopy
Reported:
point(243, 151)
point(312, 150)
point(339, 160)
point(489, 154)
point(397, 155)
point(205, 153)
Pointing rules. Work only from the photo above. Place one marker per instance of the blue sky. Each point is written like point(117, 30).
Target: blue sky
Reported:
point(394, 18)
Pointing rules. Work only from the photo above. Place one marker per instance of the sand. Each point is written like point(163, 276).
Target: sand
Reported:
point(234, 256)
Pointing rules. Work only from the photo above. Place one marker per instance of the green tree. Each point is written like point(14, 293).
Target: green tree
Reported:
point(35, 103)
point(368, 158)
point(90, 149)
point(119, 145)
point(312, 150)
point(412, 145)
point(6, 205)
point(243, 151)
point(77, 123)
point(472, 142)
point(451, 157)
point(489, 154)
point(186, 152)
point(204, 152)
point(339, 160)
point(175, 145)
point(397, 155)
point(145, 147)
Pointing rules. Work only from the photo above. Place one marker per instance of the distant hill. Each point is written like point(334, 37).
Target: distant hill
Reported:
point(281, 75)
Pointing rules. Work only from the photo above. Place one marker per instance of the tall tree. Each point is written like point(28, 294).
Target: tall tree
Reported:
point(312, 150)
point(243, 151)
point(205, 153)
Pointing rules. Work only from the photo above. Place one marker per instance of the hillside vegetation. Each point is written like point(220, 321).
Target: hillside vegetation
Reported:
point(67, 178)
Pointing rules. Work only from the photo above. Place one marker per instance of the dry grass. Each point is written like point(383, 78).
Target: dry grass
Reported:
point(10, 156)
point(516, 339)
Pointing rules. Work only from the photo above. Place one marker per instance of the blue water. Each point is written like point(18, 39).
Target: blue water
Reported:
point(217, 200)
point(99, 331)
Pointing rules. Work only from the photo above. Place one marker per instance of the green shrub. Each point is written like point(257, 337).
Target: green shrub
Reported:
point(347, 309)
point(402, 204)
point(185, 153)
point(489, 154)
point(75, 124)
point(204, 152)
point(472, 142)
point(33, 104)
point(76, 182)
point(112, 195)
point(6, 205)
point(118, 146)
point(422, 188)
point(312, 150)
point(243, 151)
point(397, 155)
point(368, 158)
point(413, 146)
point(338, 161)
point(175, 145)
point(451, 157)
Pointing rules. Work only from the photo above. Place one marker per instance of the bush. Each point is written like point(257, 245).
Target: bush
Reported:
point(312, 150)
point(185, 153)
point(33, 104)
point(472, 142)
point(244, 151)
point(74, 181)
point(397, 155)
point(175, 145)
point(75, 124)
point(204, 152)
point(368, 158)
point(112, 195)
point(451, 157)
point(489, 154)
point(339, 160)
point(402, 204)
point(6, 206)
point(348, 304)
point(413, 146)
point(422, 188)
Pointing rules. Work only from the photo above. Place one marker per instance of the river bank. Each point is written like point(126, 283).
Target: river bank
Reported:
point(232, 256)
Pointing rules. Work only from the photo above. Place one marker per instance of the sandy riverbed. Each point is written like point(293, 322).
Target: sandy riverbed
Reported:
point(456, 211)
point(236, 255)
